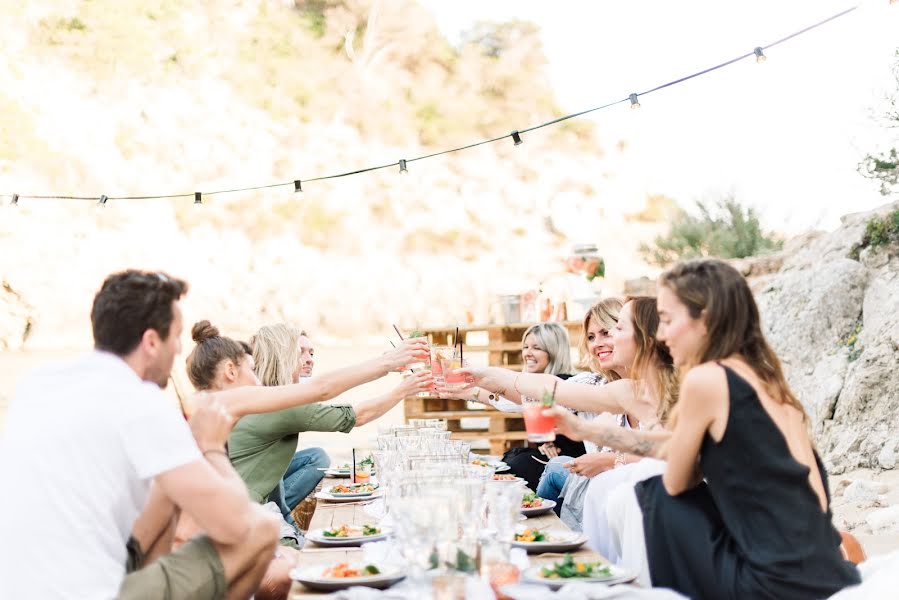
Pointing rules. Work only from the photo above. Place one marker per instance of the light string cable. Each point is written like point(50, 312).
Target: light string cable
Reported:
point(514, 135)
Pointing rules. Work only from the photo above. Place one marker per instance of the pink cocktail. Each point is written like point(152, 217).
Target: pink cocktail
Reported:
point(540, 427)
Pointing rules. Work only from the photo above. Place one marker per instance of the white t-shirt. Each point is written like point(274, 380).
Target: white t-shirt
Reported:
point(83, 441)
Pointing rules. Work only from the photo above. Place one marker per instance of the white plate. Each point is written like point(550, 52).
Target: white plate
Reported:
point(619, 575)
point(312, 578)
point(497, 465)
point(339, 498)
point(547, 506)
point(336, 474)
point(562, 540)
point(516, 480)
point(318, 536)
point(350, 494)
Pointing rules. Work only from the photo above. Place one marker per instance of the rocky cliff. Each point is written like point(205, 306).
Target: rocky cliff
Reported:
point(830, 306)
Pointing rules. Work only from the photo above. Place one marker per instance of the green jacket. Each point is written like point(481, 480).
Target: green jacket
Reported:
point(262, 446)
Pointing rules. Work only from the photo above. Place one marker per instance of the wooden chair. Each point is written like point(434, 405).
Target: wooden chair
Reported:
point(303, 511)
point(851, 548)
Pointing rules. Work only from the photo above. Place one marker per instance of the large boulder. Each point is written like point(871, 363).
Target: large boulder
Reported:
point(834, 322)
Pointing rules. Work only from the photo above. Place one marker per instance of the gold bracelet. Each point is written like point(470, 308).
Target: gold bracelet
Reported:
point(619, 460)
point(515, 384)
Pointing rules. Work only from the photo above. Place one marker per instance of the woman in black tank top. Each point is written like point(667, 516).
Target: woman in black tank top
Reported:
point(736, 514)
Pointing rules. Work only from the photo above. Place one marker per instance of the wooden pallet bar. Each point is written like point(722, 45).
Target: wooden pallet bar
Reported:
point(502, 346)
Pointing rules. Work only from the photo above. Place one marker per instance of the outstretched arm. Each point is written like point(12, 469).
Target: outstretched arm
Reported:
point(603, 433)
point(589, 398)
point(369, 410)
point(258, 399)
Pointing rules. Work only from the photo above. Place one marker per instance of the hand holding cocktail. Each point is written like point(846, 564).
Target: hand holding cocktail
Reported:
point(540, 425)
point(407, 352)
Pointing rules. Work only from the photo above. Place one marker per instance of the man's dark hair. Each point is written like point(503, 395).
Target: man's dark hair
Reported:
point(128, 304)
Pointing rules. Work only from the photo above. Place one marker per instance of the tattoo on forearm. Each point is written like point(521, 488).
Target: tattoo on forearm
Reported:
point(630, 442)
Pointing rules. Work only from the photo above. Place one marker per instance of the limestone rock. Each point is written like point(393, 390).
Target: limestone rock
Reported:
point(863, 491)
point(834, 322)
point(884, 520)
point(887, 456)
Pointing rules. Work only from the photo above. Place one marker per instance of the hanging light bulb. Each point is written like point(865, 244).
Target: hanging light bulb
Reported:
point(15, 200)
point(198, 198)
point(516, 137)
point(101, 203)
point(297, 186)
point(634, 102)
point(759, 55)
point(403, 168)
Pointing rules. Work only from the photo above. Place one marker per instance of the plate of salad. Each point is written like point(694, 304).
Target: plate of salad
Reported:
point(507, 477)
point(348, 492)
point(497, 465)
point(344, 575)
point(570, 569)
point(535, 541)
point(533, 505)
point(347, 535)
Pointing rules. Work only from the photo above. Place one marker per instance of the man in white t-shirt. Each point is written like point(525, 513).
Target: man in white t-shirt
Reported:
point(96, 464)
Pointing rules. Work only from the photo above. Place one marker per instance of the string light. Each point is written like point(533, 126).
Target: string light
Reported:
point(15, 200)
point(516, 135)
point(298, 186)
point(101, 203)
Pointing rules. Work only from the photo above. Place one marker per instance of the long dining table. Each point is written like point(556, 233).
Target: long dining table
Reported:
point(334, 514)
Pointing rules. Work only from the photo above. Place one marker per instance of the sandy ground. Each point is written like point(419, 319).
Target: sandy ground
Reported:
point(848, 514)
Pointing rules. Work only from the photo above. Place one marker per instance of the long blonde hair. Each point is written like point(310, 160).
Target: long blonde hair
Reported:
point(276, 351)
point(553, 338)
point(605, 313)
point(651, 352)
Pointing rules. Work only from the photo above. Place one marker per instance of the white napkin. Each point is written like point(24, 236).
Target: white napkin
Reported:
point(386, 553)
point(376, 509)
point(588, 591)
point(475, 589)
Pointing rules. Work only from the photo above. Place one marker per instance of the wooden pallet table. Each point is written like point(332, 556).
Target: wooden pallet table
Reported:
point(330, 514)
point(493, 345)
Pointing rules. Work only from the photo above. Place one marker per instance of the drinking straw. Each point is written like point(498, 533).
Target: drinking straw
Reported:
point(398, 332)
point(456, 342)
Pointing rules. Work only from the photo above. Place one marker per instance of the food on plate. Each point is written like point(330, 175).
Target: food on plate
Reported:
point(572, 569)
point(356, 488)
point(530, 535)
point(481, 463)
point(344, 570)
point(506, 478)
point(345, 531)
point(531, 500)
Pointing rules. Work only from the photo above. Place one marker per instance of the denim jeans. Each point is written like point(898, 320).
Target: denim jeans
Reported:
point(553, 479)
point(300, 479)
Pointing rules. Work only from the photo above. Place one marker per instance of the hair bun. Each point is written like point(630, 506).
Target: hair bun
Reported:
point(202, 331)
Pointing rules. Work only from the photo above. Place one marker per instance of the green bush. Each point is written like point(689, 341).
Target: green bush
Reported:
point(879, 231)
point(724, 229)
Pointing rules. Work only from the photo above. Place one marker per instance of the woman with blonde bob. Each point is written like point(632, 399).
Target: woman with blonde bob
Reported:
point(545, 348)
point(742, 509)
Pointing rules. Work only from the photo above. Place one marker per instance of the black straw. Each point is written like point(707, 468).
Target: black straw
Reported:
point(398, 332)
